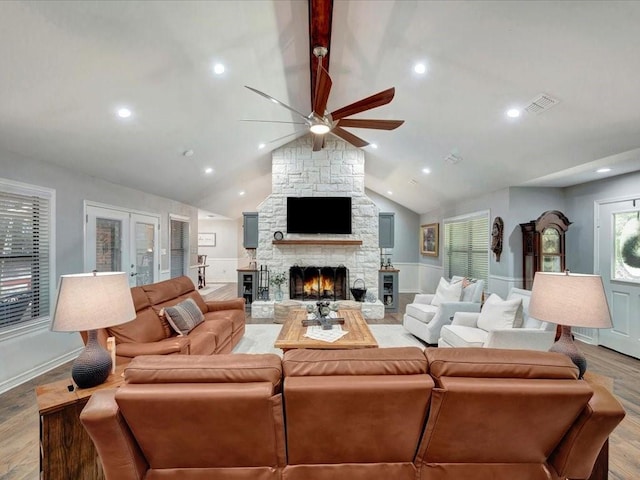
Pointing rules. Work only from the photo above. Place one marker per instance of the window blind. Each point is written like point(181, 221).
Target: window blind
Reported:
point(24, 257)
point(179, 247)
point(466, 247)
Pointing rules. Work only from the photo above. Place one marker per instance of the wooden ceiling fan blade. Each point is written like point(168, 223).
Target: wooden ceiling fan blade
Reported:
point(377, 124)
point(374, 101)
point(349, 137)
point(318, 141)
point(323, 88)
point(278, 102)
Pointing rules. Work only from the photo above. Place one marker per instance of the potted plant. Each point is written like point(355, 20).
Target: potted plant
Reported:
point(278, 279)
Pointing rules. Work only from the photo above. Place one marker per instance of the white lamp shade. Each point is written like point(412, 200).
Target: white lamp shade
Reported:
point(89, 301)
point(576, 300)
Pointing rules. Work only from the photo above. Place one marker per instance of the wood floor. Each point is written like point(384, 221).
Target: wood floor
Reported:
point(19, 430)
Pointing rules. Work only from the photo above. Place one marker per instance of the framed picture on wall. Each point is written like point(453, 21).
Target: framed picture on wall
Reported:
point(429, 239)
point(206, 239)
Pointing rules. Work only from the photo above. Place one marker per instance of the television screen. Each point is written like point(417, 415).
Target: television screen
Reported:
point(319, 215)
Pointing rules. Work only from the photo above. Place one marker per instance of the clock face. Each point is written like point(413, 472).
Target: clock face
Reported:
point(278, 235)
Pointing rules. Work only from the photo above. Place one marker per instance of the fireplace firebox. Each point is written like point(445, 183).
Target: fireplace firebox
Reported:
point(318, 283)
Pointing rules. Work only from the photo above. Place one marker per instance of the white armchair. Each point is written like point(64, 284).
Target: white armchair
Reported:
point(533, 334)
point(425, 320)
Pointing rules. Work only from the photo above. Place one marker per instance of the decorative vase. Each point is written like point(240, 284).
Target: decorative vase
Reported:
point(278, 293)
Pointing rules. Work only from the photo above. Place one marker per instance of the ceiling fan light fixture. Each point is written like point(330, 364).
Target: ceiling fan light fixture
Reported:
point(319, 128)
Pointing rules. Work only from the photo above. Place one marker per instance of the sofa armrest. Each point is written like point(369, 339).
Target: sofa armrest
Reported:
point(466, 319)
point(449, 309)
point(520, 338)
point(577, 453)
point(162, 347)
point(423, 298)
point(235, 304)
point(119, 452)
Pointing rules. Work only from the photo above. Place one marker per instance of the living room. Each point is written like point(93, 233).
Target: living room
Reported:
point(59, 136)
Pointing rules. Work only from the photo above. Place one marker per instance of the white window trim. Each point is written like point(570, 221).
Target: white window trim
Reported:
point(41, 323)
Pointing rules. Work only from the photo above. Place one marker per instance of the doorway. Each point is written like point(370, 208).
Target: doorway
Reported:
point(618, 262)
point(119, 240)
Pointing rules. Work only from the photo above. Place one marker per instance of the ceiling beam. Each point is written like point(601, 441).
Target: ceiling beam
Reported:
point(320, 14)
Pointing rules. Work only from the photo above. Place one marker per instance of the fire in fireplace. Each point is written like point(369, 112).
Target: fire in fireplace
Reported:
point(318, 283)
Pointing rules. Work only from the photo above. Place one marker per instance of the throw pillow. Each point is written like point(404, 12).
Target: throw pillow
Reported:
point(447, 292)
point(468, 290)
point(497, 314)
point(184, 317)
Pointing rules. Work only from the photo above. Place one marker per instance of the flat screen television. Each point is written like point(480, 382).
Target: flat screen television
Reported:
point(319, 215)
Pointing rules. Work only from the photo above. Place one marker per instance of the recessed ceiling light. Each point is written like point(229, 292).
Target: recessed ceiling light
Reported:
point(208, 170)
point(124, 112)
point(218, 69)
point(513, 113)
point(374, 145)
point(261, 146)
point(420, 68)
point(241, 193)
point(603, 170)
point(389, 192)
point(426, 171)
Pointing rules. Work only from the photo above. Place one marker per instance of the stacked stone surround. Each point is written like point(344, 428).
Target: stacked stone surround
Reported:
point(337, 170)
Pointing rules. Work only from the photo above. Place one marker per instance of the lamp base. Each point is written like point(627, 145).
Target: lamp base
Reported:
point(93, 365)
point(568, 347)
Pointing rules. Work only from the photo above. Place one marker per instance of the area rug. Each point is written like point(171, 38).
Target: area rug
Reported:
point(261, 337)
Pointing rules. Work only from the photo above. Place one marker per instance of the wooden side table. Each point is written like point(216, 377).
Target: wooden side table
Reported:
point(66, 450)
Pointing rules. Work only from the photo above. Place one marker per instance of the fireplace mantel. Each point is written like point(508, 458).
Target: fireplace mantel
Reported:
point(338, 243)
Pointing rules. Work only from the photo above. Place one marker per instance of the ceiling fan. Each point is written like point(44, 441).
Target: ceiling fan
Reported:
point(321, 122)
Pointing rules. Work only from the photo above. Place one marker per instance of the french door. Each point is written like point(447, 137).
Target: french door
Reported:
point(122, 241)
point(618, 262)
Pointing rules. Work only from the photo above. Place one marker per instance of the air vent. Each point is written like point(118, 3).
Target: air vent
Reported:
point(541, 103)
point(452, 159)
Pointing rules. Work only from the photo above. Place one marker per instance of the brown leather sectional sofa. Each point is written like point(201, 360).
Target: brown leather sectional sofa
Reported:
point(389, 413)
point(150, 334)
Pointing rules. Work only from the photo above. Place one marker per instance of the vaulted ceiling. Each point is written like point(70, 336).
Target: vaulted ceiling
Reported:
point(68, 66)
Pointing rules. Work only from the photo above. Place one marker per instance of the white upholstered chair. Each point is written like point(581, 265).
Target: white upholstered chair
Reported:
point(493, 332)
point(424, 320)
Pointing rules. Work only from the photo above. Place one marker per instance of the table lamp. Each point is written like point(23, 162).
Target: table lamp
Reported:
point(86, 302)
point(570, 300)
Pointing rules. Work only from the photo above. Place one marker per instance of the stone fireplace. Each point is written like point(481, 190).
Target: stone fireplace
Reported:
point(336, 170)
point(318, 283)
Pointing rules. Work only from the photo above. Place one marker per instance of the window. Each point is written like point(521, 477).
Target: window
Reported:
point(466, 246)
point(25, 253)
point(179, 247)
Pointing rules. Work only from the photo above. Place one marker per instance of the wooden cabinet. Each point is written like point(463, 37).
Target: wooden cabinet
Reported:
point(247, 286)
point(386, 230)
point(66, 450)
point(250, 229)
point(543, 245)
point(388, 289)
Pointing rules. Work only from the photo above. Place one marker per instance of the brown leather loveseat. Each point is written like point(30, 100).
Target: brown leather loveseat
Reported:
point(150, 333)
point(376, 414)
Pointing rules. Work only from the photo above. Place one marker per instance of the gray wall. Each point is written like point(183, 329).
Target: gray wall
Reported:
point(406, 231)
point(26, 355)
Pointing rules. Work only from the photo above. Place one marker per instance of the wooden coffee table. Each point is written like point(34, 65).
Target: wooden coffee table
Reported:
point(359, 336)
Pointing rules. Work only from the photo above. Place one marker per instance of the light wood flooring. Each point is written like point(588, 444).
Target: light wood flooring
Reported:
point(19, 430)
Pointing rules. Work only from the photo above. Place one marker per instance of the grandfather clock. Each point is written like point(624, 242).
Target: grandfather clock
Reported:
point(543, 245)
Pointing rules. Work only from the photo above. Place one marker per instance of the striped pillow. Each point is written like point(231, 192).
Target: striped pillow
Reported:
point(184, 317)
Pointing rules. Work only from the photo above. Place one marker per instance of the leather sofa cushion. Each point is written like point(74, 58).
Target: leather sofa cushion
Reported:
point(463, 336)
point(202, 343)
point(421, 311)
point(167, 290)
point(499, 363)
point(140, 299)
point(146, 327)
point(236, 318)
point(370, 361)
point(220, 328)
point(231, 368)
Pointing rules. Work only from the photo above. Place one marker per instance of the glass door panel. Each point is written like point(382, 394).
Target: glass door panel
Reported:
point(145, 251)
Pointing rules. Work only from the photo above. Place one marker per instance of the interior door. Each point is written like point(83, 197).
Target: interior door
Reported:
point(618, 262)
point(122, 241)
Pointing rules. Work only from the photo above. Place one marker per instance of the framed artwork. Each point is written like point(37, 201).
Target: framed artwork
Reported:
point(206, 239)
point(429, 239)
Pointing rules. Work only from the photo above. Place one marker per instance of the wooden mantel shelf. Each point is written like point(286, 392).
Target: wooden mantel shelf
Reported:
point(336, 243)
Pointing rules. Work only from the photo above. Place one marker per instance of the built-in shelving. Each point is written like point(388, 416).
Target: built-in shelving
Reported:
point(317, 242)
